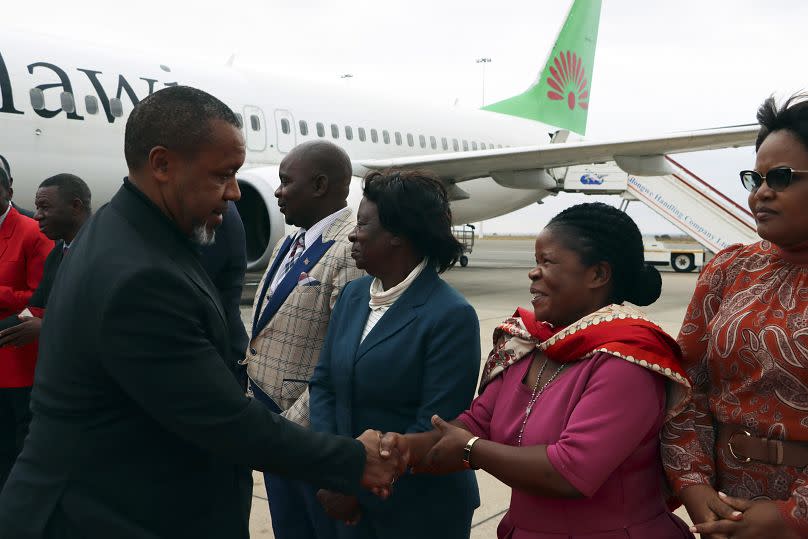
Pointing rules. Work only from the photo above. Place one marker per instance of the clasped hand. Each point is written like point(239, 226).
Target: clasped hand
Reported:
point(718, 516)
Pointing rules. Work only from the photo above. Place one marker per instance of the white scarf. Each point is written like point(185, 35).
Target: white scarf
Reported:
point(383, 299)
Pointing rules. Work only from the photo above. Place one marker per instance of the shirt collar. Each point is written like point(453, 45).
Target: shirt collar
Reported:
point(316, 230)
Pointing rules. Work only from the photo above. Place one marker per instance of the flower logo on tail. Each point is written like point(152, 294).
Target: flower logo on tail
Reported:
point(568, 80)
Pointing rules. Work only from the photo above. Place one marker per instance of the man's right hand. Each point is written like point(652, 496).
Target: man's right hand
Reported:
point(704, 505)
point(380, 472)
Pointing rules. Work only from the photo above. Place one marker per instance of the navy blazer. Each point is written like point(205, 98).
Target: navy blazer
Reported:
point(421, 358)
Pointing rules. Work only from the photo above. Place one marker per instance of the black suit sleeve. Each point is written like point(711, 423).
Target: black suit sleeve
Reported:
point(156, 348)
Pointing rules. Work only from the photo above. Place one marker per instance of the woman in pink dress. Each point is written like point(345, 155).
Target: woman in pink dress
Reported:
point(574, 393)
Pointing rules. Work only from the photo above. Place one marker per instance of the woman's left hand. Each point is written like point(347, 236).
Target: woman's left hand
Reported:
point(760, 519)
point(446, 456)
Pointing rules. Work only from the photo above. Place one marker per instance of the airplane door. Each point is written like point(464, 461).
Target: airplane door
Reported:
point(255, 127)
point(285, 127)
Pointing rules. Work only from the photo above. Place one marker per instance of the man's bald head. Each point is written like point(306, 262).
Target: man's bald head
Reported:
point(325, 158)
point(315, 180)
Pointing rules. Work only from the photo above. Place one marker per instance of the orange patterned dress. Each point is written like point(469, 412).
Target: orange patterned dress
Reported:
point(745, 346)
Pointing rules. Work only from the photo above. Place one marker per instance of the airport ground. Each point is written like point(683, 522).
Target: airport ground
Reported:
point(495, 282)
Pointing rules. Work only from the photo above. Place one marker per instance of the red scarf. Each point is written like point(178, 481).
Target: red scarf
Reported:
point(622, 331)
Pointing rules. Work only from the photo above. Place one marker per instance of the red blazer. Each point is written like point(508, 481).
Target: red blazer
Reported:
point(23, 250)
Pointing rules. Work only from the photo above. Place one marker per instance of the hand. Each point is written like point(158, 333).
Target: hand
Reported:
point(446, 456)
point(340, 506)
point(380, 472)
point(760, 519)
point(705, 506)
point(23, 333)
point(393, 442)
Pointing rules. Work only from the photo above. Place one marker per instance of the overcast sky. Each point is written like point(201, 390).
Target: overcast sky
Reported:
point(661, 66)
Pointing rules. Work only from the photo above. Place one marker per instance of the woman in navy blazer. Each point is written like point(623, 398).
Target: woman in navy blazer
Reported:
point(402, 345)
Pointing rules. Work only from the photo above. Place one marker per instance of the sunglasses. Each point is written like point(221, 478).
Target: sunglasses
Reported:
point(777, 178)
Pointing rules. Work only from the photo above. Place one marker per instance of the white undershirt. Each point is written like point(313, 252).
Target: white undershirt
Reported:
point(381, 300)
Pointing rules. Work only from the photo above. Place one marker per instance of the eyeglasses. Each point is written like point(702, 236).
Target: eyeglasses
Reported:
point(777, 178)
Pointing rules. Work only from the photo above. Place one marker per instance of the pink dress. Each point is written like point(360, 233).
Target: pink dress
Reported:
point(600, 420)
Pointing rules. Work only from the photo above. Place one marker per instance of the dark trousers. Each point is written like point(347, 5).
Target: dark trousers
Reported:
point(15, 416)
point(296, 513)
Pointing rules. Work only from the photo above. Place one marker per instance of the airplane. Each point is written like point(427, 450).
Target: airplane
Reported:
point(63, 108)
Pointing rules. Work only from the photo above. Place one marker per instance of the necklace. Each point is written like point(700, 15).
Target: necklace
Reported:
point(535, 394)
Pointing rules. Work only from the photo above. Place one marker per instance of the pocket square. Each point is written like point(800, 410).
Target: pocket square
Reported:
point(304, 280)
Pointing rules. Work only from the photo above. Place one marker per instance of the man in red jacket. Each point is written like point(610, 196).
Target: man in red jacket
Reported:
point(23, 250)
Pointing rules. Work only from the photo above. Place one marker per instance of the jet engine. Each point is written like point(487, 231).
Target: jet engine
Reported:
point(264, 223)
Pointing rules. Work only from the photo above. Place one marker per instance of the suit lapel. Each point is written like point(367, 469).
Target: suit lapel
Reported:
point(7, 230)
point(403, 311)
point(307, 260)
point(268, 281)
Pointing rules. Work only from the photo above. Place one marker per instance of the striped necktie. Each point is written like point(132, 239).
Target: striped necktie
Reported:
point(297, 250)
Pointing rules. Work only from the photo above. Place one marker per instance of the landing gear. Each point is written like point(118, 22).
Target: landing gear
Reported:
point(682, 262)
point(464, 261)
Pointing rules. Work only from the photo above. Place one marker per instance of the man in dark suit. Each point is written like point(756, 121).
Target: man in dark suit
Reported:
point(225, 261)
point(7, 167)
point(139, 430)
point(62, 206)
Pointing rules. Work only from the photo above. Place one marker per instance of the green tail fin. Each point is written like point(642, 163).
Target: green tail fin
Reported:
point(560, 96)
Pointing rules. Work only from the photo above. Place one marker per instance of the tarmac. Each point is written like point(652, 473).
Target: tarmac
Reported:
point(495, 282)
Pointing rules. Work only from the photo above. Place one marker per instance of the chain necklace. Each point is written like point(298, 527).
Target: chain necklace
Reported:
point(535, 394)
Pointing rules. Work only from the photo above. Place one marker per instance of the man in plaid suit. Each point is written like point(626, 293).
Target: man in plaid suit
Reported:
point(292, 307)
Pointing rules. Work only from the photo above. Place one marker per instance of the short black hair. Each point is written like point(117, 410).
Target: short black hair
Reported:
point(602, 233)
point(177, 117)
point(414, 205)
point(6, 165)
point(70, 187)
point(5, 180)
point(792, 116)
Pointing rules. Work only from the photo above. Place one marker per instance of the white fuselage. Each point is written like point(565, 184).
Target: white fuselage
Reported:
point(39, 143)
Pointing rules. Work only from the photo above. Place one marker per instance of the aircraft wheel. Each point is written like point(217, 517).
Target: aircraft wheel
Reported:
point(464, 261)
point(682, 262)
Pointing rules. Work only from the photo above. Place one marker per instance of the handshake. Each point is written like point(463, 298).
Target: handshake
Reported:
point(390, 455)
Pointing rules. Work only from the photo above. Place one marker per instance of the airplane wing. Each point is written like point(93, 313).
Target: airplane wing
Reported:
point(640, 157)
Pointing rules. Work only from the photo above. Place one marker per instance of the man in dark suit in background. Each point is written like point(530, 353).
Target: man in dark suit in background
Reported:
point(225, 261)
point(7, 167)
point(139, 430)
point(62, 206)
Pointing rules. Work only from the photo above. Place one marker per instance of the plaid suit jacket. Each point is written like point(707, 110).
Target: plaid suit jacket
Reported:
point(288, 347)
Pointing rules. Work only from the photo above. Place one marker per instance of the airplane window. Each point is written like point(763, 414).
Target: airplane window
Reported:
point(410, 140)
point(482, 145)
point(255, 123)
point(422, 141)
point(374, 136)
point(465, 145)
point(473, 145)
point(361, 132)
point(444, 143)
point(386, 136)
point(37, 98)
point(499, 145)
point(433, 143)
point(116, 107)
point(348, 132)
point(320, 130)
point(455, 145)
point(67, 102)
point(91, 104)
point(398, 138)
point(285, 126)
point(304, 127)
point(334, 131)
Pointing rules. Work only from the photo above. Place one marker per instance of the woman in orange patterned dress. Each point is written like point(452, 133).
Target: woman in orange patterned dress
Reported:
point(738, 455)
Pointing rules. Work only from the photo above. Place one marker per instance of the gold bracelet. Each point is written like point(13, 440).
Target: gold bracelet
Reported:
point(467, 454)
